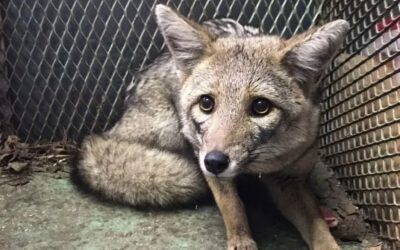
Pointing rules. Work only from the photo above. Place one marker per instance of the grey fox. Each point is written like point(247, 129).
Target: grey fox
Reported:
point(225, 100)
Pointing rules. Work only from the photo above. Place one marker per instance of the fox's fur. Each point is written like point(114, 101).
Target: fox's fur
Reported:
point(144, 159)
point(155, 154)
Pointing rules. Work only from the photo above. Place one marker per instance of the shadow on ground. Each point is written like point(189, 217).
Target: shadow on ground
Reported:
point(49, 213)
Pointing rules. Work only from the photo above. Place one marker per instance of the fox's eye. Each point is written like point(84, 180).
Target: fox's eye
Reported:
point(260, 106)
point(206, 103)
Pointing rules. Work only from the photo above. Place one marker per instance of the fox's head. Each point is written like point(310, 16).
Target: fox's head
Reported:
point(248, 104)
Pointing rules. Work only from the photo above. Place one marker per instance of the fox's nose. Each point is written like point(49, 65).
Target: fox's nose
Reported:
point(216, 162)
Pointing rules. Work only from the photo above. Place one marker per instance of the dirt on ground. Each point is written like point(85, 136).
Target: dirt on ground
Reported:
point(24, 166)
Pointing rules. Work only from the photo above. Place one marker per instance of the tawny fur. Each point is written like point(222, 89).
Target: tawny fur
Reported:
point(152, 155)
point(144, 159)
point(137, 174)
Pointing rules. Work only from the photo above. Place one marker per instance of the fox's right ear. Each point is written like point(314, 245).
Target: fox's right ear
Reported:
point(187, 41)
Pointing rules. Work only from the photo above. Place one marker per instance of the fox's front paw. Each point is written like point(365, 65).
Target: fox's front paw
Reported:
point(241, 243)
point(327, 245)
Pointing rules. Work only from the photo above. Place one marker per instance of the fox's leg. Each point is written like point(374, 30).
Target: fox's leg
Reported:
point(137, 174)
point(233, 213)
point(299, 206)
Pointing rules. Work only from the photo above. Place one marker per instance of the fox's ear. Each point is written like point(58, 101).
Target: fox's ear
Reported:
point(309, 54)
point(186, 40)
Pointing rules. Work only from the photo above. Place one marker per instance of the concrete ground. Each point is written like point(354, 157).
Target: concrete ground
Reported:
point(50, 213)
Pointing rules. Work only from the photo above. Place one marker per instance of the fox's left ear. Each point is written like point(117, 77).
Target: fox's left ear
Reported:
point(309, 54)
point(187, 41)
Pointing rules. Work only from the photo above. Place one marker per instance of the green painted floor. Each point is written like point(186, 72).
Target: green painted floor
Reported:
point(50, 213)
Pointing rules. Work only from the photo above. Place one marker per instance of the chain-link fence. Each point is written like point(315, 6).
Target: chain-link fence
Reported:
point(68, 62)
point(360, 126)
point(5, 107)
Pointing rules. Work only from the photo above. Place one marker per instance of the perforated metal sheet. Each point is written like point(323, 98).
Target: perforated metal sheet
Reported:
point(70, 60)
point(360, 126)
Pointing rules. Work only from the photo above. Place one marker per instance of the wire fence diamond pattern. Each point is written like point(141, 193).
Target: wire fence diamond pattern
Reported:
point(70, 60)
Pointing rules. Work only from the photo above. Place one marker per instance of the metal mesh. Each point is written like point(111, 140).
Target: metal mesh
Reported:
point(70, 60)
point(5, 107)
point(360, 128)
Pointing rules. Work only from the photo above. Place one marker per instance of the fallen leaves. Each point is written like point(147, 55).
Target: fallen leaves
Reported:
point(18, 159)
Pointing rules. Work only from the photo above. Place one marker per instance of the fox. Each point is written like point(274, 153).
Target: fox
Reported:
point(225, 100)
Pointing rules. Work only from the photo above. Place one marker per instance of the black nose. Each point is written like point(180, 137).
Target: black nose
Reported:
point(216, 162)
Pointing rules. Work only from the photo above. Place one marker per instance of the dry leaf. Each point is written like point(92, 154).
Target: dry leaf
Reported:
point(18, 167)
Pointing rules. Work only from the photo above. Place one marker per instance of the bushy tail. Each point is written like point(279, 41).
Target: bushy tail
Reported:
point(137, 174)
